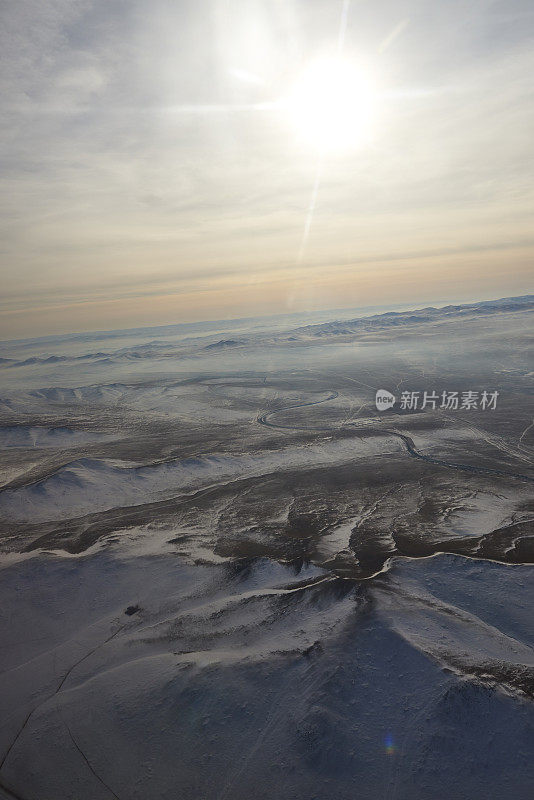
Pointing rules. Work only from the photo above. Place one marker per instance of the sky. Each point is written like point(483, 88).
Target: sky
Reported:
point(167, 161)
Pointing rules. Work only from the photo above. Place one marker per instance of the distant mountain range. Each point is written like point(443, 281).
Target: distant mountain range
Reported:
point(429, 314)
point(192, 346)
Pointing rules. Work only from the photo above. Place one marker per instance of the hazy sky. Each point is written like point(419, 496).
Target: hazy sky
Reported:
point(157, 167)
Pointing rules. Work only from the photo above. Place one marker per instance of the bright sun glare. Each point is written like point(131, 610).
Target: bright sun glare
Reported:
point(331, 105)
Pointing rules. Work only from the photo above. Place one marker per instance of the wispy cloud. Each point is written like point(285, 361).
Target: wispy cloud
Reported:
point(143, 144)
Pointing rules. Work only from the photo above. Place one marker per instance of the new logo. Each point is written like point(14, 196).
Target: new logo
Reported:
point(384, 400)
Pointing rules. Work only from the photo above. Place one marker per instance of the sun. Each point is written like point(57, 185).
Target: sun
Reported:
point(331, 105)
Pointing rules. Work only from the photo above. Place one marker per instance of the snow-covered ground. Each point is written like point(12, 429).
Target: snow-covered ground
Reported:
point(255, 678)
point(224, 574)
